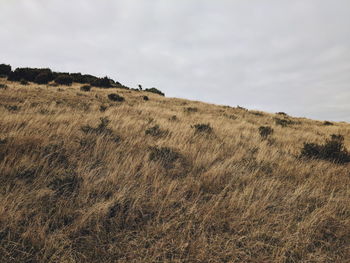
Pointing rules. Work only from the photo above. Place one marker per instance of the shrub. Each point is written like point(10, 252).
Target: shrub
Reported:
point(12, 107)
point(283, 122)
point(3, 86)
point(282, 113)
point(156, 91)
point(166, 156)
point(102, 82)
point(101, 129)
point(115, 97)
point(5, 69)
point(145, 98)
point(43, 78)
point(202, 128)
point(256, 113)
point(24, 82)
point(64, 79)
point(103, 108)
point(28, 74)
point(332, 150)
point(155, 131)
point(173, 118)
point(327, 123)
point(191, 109)
point(265, 131)
point(85, 88)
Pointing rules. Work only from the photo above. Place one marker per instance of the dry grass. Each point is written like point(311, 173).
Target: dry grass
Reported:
point(226, 196)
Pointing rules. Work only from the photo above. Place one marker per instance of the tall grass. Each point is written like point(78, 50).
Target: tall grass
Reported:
point(72, 196)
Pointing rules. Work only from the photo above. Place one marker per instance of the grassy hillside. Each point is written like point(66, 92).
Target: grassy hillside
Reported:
point(87, 179)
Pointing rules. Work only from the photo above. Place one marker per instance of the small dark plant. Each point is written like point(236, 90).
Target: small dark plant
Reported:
point(155, 131)
point(256, 113)
point(85, 88)
point(115, 97)
point(23, 82)
point(166, 156)
point(173, 118)
point(12, 107)
point(145, 98)
point(101, 129)
point(103, 108)
point(265, 131)
point(203, 128)
point(283, 122)
point(156, 91)
point(3, 86)
point(327, 123)
point(191, 109)
point(282, 113)
point(332, 150)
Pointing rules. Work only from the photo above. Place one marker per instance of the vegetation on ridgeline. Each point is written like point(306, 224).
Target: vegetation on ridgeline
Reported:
point(85, 177)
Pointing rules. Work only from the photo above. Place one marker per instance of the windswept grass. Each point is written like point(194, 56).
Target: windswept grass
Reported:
point(71, 192)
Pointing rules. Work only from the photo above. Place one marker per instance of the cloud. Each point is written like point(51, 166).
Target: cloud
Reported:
point(291, 56)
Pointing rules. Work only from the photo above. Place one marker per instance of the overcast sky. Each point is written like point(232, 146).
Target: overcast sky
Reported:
point(271, 55)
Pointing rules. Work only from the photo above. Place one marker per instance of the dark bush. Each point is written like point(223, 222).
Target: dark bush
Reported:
point(43, 78)
point(103, 108)
point(327, 123)
point(28, 74)
point(115, 97)
point(85, 88)
point(282, 113)
point(265, 131)
point(156, 91)
point(3, 86)
point(5, 69)
point(145, 98)
point(283, 122)
point(203, 128)
point(101, 129)
point(12, 107)
point(166, 156)
point(24, 82)
point(191, 109)
point(103, 82)
point(256, 113)
point(333, 150)
point(64, 79)
point(173, 118)
point(155, 131)
point(83, 79)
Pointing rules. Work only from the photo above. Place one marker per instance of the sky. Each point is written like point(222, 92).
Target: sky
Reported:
point(269, 55)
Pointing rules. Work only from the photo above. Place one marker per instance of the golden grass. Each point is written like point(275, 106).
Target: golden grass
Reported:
point(67, 196)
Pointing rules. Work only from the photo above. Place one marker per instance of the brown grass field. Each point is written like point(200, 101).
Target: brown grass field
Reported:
point(74, 188)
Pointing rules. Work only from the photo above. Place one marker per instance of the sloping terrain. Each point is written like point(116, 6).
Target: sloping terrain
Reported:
point(84, 178)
